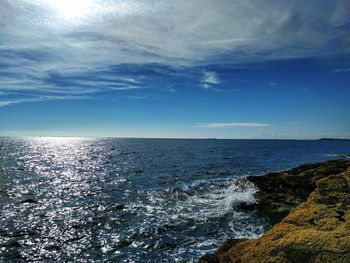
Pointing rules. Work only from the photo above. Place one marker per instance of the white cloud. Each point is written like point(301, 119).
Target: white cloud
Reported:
point(176, 33)
point(38, 39)
point(209, 80)
point(230, 124)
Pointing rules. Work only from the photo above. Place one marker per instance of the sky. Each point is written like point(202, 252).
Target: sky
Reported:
point(269, 69)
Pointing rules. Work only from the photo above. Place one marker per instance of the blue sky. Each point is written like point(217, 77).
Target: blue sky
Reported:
point(193, 69)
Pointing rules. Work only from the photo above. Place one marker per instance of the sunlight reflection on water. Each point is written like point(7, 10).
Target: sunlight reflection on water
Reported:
point(81, 199)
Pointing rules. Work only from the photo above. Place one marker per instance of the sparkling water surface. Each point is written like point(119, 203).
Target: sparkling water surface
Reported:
point(135, 200)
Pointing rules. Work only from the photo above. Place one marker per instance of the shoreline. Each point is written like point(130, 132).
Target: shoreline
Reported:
point(309, 209)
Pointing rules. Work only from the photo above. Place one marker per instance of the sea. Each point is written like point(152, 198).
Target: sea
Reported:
point(66, 199)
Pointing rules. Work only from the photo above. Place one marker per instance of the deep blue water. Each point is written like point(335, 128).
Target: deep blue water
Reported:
point(60, 197)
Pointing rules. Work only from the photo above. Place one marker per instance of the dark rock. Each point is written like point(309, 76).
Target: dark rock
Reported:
point(247, 207)
point(220, 255)
point(279, 193)
point(315, 199)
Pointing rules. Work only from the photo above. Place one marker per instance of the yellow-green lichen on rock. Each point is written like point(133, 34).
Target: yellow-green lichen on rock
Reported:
point(317, 230)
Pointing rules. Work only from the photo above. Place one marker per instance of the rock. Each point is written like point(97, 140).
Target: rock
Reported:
point(221, 254)
point(279, 193)
point(247, 207)
point(316, 230)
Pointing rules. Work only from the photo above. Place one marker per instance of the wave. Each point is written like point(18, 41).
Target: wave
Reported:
point(201, 201)
point(340, 155)
point(217, 201)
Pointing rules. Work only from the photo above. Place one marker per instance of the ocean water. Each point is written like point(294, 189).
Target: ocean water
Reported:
point(135, 200)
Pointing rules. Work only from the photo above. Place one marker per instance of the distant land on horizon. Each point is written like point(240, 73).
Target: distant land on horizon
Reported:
point(177, 138)
point(334, 139)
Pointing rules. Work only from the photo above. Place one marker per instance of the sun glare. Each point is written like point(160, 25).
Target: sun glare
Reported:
point(70, 9)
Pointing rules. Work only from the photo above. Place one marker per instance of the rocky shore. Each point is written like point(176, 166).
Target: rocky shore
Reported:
point(309, 208)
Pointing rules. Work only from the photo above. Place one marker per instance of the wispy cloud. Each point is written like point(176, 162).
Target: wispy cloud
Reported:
point(341, 70)
point(230, 124)
point(40, 39)
point(209, 80)
point(8, 102)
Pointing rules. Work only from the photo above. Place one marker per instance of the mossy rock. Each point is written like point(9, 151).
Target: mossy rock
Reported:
point(317, 230)
point(279, 193)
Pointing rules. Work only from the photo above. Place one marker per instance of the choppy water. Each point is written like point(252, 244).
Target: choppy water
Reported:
point(135, 200)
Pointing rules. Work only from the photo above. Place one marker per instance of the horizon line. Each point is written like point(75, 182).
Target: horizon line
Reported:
point(172, 138)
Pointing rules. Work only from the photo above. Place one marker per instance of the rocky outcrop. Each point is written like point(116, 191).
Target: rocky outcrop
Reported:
point(279, 193)
point(316, 201)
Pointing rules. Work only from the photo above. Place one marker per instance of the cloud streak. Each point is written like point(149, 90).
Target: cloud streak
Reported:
point(8, 102)
point(341, 70)
point(216, 125)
